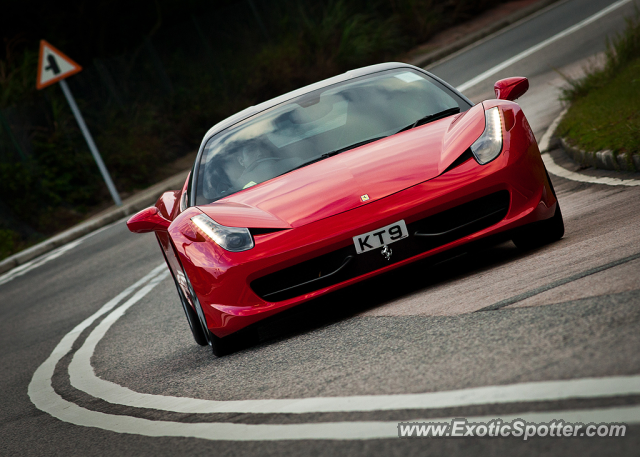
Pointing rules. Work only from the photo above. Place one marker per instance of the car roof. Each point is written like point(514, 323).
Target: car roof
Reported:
point(252, 110)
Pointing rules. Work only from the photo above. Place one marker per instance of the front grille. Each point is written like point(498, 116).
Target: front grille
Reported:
point(343, 264)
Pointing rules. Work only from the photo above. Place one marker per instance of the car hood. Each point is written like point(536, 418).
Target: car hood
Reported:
point(338, 184)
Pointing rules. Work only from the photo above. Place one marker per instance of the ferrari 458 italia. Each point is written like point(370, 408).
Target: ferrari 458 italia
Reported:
point(341, 181)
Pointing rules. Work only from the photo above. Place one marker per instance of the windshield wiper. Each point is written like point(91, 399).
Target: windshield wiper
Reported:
point(351, 146)
point(431, 118)
point(326, 155)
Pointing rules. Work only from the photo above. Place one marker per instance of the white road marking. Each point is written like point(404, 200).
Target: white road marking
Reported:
point(83, 377)
point(27, 267)
point(40, 389)
point(39, 261)
point(495, 34)
point(218, 431)
point(492, 71)
point(45, 398)
point(557, 170)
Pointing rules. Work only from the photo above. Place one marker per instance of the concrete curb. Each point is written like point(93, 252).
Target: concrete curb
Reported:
point(434, 56)
point(605, 160)
point(549, 142)
point(132, 205)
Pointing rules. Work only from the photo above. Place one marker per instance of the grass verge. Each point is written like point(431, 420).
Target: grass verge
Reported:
point(605, 103)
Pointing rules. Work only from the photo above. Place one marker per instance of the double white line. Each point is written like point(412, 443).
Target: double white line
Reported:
point(83, 377)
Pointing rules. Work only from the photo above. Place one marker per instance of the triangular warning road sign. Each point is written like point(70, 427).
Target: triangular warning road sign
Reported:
point(53, 66)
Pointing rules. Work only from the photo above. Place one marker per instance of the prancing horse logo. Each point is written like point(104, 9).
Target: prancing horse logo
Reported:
point(364, 197)
point(386, 252)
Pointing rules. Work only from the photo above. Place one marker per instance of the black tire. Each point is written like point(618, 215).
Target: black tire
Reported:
point(194, 322)
point(540, 233)
point(192, 318)
point(200, 318)
point(219, 346)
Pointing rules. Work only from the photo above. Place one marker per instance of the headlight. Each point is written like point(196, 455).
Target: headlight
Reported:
point(488, 146)
point(234, 239)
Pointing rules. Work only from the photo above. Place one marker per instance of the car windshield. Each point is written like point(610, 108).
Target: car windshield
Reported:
point(317, 125)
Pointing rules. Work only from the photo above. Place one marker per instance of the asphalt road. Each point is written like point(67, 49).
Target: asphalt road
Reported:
point(423, 333)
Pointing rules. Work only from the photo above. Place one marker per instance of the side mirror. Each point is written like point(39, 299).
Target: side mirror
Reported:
point(511, 88)
point(147, 220)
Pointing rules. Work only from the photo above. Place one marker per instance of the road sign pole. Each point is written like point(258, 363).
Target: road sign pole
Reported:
point(92, 145)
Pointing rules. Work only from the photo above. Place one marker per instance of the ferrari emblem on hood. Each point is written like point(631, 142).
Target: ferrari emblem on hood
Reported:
point(364, 197)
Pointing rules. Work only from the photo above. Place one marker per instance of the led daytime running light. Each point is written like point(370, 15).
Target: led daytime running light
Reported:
point(489, 145)
point(233, 239)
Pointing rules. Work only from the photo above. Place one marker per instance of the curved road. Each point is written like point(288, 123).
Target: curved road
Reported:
point(97, 358)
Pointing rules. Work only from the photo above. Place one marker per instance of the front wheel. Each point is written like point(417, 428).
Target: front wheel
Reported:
point(192, 318)
point(540, 233)
point(219, 346)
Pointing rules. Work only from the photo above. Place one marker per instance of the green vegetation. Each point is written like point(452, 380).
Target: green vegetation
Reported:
point(156, 79)
point(605, 104)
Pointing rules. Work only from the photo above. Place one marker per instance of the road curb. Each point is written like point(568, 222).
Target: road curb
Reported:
point(132, 205)
point(549, 142)
point(445, 51)
point(605, 160)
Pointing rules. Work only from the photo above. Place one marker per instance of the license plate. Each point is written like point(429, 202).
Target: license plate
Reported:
point(380, 237)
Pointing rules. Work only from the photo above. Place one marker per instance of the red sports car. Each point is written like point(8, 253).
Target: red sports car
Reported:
point(340, 181)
